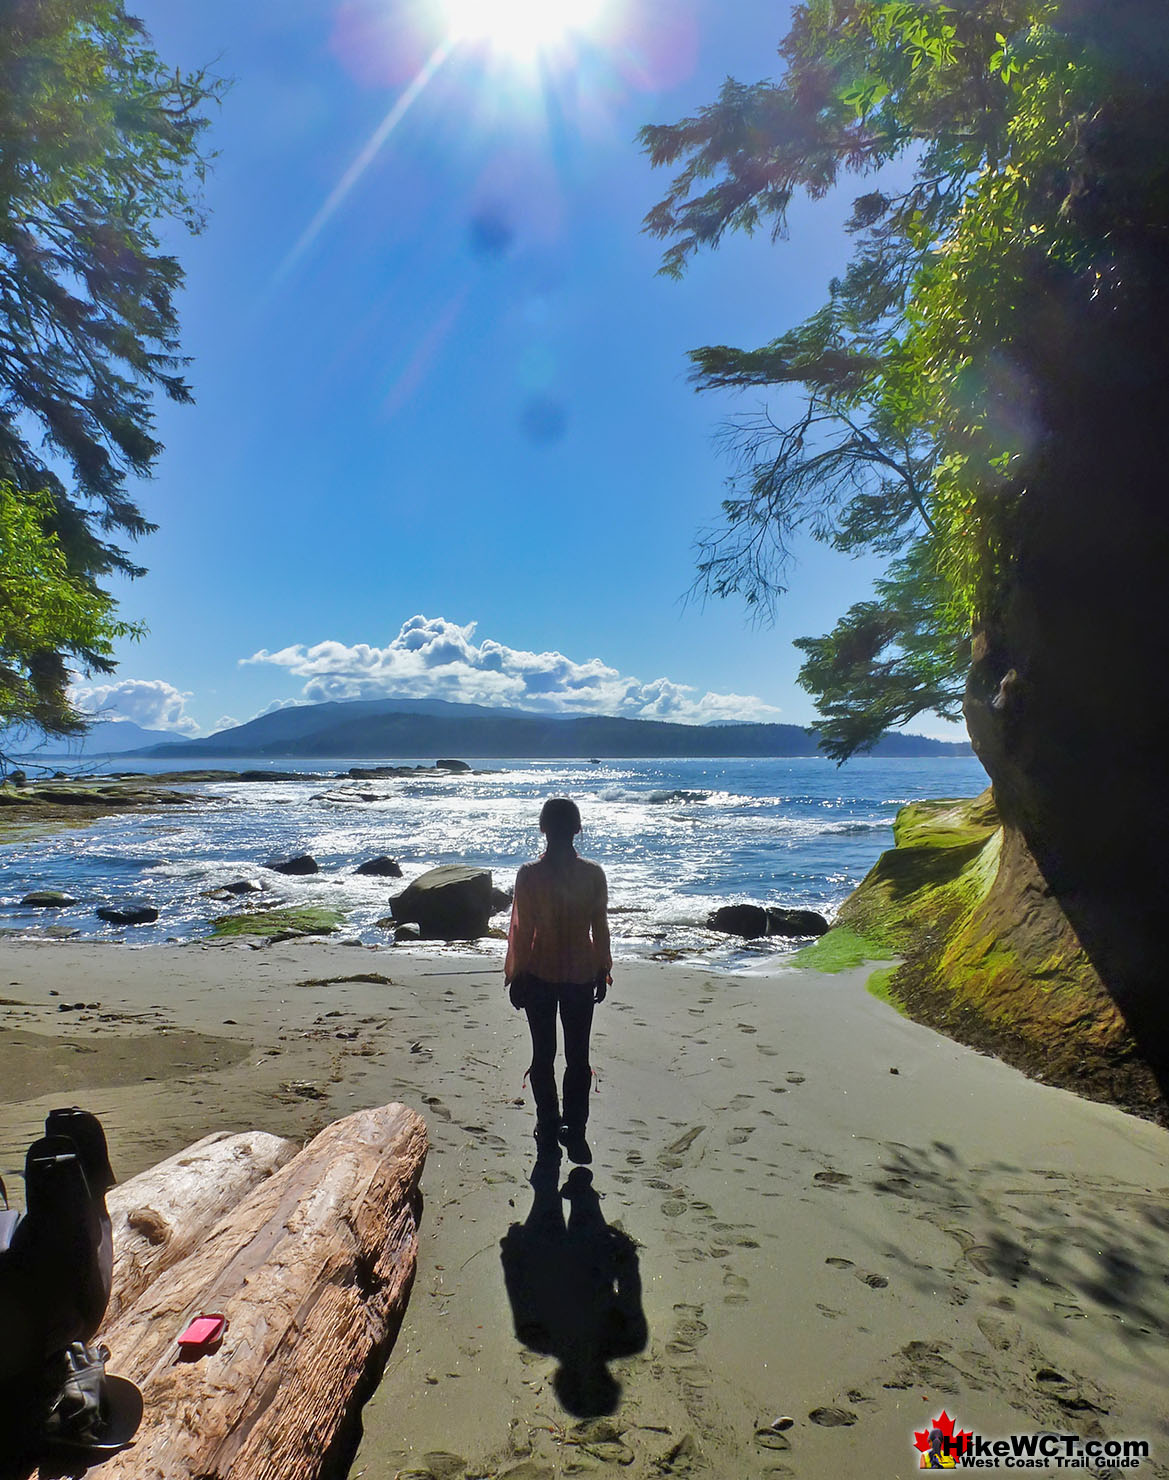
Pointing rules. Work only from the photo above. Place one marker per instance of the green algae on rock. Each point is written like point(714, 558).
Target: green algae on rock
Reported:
point(281, 924)
point(988, 955)
point(841, 949)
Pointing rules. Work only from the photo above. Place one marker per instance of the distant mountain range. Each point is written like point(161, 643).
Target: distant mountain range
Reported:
point(376, 729)
point(104, 737)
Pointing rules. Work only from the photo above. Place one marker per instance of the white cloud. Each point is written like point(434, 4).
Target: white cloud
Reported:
point(150, 702)
point(432, 658)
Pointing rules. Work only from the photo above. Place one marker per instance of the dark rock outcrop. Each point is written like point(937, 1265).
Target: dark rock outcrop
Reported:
point(303, 863)
point(747, 920)
point(753, 920)
point(127, 914)
point(500, 900)
point(450, 765)
point(230, 891)
point(381, 866)
point(448, 903)
point(795, 922)
point(47, 899)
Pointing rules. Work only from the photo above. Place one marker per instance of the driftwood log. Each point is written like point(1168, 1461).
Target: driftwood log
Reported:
point(159, 1216)
point(313, 1270)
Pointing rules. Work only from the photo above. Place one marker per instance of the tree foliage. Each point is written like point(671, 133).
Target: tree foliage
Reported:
point(1034, 167)
point(99, 152)
point(48, 615)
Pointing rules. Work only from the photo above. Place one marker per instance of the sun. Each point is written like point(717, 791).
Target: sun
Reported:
point(518, 28)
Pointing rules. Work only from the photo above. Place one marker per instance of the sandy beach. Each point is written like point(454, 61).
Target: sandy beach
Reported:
point(809, 1206)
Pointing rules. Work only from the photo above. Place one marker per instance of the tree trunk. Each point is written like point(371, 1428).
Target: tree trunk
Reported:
point(159, 1216)
point(312, 1270)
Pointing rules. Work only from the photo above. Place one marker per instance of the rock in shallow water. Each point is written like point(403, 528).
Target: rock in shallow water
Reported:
point(47, 899)
point(448, 903)
point(382, 866)
point(303, 863)
point(753, 920)
point(127, 914)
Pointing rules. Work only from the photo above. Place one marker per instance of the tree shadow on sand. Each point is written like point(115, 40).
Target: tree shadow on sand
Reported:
point(575, 1289)
point(1079, 1242)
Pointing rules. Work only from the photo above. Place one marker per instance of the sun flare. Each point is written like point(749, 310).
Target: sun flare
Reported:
point(518, 28)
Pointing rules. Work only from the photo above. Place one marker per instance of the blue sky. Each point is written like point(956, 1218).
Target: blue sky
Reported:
point(457, 390)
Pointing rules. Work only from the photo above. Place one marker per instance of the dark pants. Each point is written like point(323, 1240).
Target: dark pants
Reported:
point(575, 1003)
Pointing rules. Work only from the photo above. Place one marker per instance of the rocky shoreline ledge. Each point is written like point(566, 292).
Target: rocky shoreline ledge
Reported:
point(72, 801)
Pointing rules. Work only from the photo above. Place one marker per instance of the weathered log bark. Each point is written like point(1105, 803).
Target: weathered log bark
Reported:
point(159, 1216)
point(313, 1270)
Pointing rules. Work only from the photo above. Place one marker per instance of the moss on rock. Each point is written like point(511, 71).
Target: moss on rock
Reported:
point(840, 950)
point(989, 956)
point(278, 924)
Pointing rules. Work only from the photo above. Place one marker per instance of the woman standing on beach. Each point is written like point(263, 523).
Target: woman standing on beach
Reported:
point(558, 960)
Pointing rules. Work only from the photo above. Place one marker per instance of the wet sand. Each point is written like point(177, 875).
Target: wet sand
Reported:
point(775, 1222)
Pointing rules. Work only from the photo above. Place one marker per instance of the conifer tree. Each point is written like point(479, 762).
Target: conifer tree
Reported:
point(100, 152)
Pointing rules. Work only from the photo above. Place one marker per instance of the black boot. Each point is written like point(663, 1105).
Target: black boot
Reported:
point(572, 1138)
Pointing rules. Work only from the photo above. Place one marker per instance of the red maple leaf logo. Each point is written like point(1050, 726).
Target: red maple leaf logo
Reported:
point(957, 1443)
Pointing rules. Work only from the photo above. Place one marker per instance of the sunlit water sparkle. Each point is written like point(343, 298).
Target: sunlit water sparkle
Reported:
point(676, 838)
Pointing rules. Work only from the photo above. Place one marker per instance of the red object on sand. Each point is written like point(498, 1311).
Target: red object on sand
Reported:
point(203, 1332)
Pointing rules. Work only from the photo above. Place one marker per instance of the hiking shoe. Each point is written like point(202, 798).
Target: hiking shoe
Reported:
point(572, 1138)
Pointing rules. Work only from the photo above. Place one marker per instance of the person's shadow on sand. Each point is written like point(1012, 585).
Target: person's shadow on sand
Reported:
point(575, 1289)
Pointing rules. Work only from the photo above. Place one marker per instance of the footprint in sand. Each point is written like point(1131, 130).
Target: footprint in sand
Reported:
point(833, 1418)
point(832, 1179)
point(1007, 1262)
point(736, 1287)
point(997, 1332)
point(739, 1133)
point(689, 1330)
point(740, 1102)
point(1065, 1392)
point(746, 1028)
point(674, 1208)
point(898, 1186)
point(771, 1053)
point(874, 1281)
point(437, 1106)
point(770, 1438)
point(795, 1078)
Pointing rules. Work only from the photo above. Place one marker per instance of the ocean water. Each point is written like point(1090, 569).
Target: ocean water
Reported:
point(676, 837)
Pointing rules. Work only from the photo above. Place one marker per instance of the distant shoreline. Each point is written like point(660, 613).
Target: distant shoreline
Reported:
point(238, 759)
point(397, 729)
